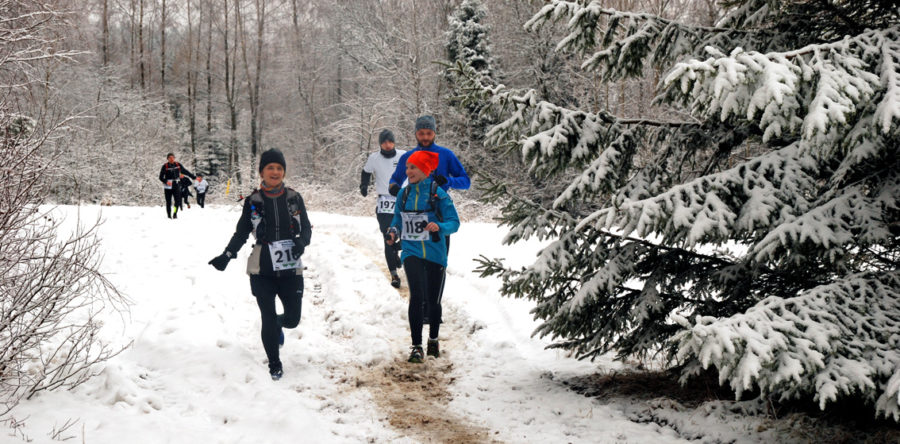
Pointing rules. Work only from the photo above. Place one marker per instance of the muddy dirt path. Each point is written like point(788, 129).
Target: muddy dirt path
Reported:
point(415, 396)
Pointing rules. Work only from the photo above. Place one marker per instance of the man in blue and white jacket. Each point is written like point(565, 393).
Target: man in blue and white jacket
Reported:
point(449, 172)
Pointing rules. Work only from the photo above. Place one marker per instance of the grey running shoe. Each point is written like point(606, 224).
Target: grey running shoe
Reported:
point(415, 355)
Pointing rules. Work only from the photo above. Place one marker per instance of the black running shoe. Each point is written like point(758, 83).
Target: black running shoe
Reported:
point(276, 374)
point(395, 280)
point(433, 349)
point(415, 355)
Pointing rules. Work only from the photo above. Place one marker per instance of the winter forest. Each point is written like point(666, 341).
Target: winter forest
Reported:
point(715, 184)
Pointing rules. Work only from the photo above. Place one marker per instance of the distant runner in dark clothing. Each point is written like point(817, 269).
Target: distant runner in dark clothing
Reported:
point(170, 173)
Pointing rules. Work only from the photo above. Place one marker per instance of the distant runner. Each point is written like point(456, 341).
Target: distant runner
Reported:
point(201, 186)
point(170, 173)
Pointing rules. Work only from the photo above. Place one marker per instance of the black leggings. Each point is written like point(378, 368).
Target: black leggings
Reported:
point(174, 191)
point(426, 279)
point(290, 290)
point(201, 199)
point(390, 251)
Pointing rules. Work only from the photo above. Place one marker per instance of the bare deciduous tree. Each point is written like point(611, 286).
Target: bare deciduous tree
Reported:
point(51, 289)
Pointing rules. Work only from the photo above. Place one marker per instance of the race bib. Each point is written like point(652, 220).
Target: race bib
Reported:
point(168, 185)
point(414, 227)
point(385, 204)
point(282, 258)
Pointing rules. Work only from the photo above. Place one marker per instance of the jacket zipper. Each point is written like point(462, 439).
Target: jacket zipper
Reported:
point(277, 227)
point(416, 206)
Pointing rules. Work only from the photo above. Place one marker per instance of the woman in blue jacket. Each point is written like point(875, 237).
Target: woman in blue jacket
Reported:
point(423, 215)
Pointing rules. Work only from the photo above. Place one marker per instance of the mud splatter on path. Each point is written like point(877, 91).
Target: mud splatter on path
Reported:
point(415, 396)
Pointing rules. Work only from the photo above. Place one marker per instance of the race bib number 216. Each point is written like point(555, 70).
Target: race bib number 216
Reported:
point(282, 258)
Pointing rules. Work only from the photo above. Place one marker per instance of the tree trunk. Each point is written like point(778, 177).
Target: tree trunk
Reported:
point(253, 79)
point(340, 58)
point(141, 43)
point(208, 68)
point(415, 62)
point(105, 43)
point(191, 84)
point(306, 93)
point(131, 46)
point(162, 48)
point(230, 65)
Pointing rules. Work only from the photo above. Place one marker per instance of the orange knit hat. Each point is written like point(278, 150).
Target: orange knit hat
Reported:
point(426, 161)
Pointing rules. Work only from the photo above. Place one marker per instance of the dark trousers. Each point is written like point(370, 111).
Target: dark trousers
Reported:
point(290, 290)
point(184, 197)
point(440, 292)
point(176, 193)
point(201, 198)
point(426, 279)
point(390, 251)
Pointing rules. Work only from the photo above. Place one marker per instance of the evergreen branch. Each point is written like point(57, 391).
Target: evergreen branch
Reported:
point(889, 262)
point(809, 93)
point(834, 339)
point(593, 11)
point(841, 15)
point(498, 193)
point(628, 38)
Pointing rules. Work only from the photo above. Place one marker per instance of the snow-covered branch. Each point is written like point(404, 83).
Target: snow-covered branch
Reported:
point(832, 340)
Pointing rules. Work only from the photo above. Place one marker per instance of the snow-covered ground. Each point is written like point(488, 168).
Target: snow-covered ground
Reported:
point(196, 371)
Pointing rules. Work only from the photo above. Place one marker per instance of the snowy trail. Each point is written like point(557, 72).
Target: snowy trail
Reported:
point(196, 369)
point(415, 397)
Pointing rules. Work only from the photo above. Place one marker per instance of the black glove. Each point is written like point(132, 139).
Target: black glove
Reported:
point(364, 190)
point(440, 180)
point(394, 189)
point(392, 234)
point(297, 249)
point(221, 261)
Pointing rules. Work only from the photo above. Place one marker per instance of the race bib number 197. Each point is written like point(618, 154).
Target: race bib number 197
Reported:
point(282, 258)
point(385, 204)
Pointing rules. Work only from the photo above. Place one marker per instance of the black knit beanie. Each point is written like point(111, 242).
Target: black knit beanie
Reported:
point(271, 156)
point(385, 136)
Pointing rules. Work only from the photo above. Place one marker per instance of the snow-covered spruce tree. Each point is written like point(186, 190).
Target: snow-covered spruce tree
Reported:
point(762, 237)
point(468, 44)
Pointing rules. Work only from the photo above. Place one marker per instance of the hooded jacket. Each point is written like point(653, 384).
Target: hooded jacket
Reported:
point(418, 201)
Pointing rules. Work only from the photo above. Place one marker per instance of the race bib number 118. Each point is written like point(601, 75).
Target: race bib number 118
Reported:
point(414, 227)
